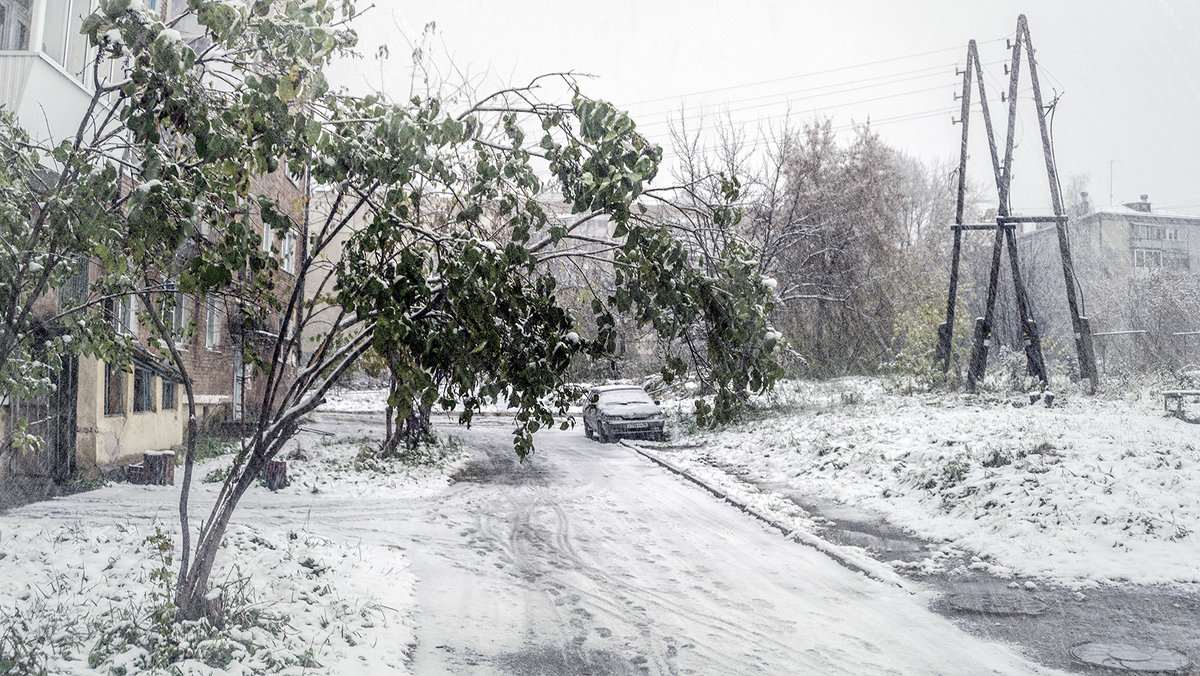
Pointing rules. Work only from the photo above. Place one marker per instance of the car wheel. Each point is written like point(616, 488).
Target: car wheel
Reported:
point(603, 435)
point(587, 430)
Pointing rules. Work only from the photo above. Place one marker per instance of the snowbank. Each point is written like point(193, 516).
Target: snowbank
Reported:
point(1086, 492)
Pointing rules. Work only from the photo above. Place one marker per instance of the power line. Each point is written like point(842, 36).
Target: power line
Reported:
point(818, 96)
point(797, 76)
point(789, 113)
point(880, 80)
point(896, 119)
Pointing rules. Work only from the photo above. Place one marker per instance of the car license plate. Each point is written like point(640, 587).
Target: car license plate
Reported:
point(638, 426)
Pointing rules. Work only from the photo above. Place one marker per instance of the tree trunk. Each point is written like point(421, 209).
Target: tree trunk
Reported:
point(194, 590)
point(391, 437)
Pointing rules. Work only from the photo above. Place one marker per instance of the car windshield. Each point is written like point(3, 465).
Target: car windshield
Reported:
point(629, 396)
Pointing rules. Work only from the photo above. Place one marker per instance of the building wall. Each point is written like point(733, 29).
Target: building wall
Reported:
point(119, 438)
point(49, 100)
point(1128, 295)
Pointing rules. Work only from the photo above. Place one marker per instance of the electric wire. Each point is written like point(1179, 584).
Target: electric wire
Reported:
point(877, 80)
point(802, 75)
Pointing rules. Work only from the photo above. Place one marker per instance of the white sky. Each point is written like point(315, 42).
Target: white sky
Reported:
point(1129, 72)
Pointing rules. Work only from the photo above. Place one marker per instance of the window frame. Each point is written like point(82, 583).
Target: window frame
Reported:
point(175, 318)
point(169, 387)
point(1141, 256)
point(143, 390)
point(287, 252)
point(114, 402)
point(122, 315)
point(212, 326)
point(16, 25)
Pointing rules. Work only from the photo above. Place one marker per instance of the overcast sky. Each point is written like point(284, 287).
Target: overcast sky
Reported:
point(1128, 72)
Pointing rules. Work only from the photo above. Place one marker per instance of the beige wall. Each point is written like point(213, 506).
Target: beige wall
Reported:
point(106, 439)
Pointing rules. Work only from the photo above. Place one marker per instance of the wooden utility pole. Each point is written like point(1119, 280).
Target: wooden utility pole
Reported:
point(1006, 231)
point(1083, 334)
point(1004, 236)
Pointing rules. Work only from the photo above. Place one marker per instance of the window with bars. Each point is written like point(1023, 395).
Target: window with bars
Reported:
point(168, 395)
point(143, 390)
point(74, 290)
point(114, 390)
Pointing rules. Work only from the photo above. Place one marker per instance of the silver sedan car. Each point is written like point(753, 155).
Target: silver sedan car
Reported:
point(616, 411)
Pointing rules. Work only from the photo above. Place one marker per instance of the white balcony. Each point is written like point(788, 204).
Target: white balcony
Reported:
point(45, 65)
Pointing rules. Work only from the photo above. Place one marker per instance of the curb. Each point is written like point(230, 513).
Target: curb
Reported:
point(849, 559)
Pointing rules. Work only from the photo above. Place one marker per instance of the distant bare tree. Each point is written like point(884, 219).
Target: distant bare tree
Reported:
point(853, 233)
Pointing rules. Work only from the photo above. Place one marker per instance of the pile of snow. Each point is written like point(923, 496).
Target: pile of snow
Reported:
point(1085, 492)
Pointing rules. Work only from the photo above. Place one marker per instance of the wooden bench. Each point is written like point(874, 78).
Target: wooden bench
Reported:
point(1177, 397)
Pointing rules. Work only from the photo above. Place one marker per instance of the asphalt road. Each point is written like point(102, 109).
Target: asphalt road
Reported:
point(588, 559)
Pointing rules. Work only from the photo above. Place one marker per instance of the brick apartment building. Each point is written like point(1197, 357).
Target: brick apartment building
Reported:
point(101, 416)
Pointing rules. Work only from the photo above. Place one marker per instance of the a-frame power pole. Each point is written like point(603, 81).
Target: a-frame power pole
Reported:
point(1005, 230)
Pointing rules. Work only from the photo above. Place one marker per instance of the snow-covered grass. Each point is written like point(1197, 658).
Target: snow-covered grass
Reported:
point(78, 598)
point(86, 587)
point(351, 465)
point(1088, 491)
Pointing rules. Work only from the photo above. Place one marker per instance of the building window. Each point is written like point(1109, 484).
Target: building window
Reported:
point(1145, 231)
point(120, 311)
point(114, 390)
point(268, 238)
point(143, 390)
point(78, 53)
point(1147, 258)
point(62, 40)
point(74, 290)
point(14, 24)
point(176, 318)
point(212, 326)
point(168, 395)
point(287, 252)
point(1176, 261)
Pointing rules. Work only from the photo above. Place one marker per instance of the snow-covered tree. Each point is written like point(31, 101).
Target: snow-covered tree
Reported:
point(447, 267)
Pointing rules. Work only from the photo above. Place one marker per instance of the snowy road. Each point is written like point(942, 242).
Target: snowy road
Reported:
point(588, 559)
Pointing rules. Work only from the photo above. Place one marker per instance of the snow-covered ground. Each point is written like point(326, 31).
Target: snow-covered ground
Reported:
point(1088, 491)
point(584, 559)
point(77, 571)
point(83, 597)
point(342, 400)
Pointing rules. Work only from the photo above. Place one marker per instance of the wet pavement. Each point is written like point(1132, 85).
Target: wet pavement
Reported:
point(1051, 624)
